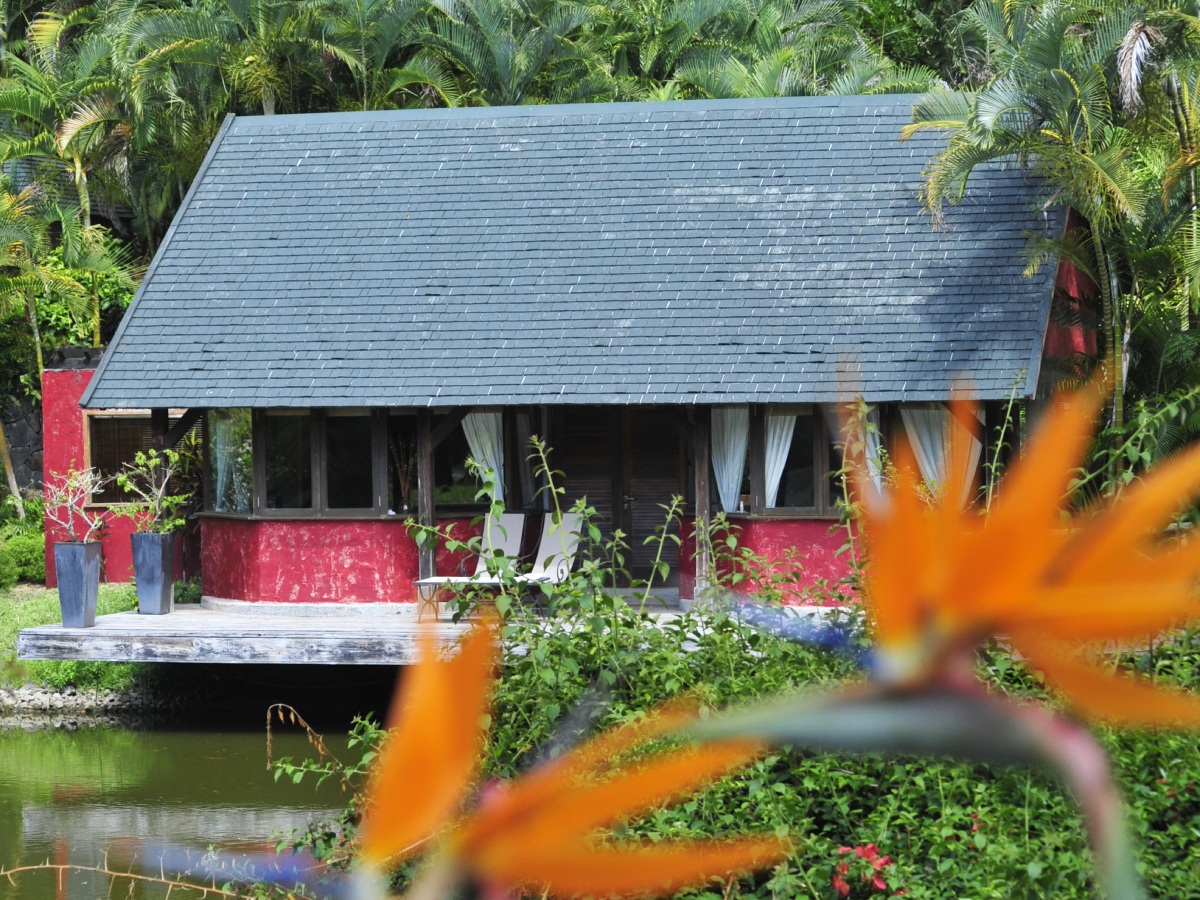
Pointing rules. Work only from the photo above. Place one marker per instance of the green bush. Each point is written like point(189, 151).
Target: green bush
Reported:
point(948, 828)
point(28, 551)
point(10, 569)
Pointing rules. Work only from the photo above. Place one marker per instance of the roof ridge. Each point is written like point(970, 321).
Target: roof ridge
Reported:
point(550, 110)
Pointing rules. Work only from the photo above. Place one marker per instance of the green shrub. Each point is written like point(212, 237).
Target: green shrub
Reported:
point(28, 551)
point(10, 569)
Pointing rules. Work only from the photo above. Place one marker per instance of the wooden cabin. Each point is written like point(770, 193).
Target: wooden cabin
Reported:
point(673, 295)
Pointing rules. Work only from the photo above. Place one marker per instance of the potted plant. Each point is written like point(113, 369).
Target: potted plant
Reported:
point(155, 510)
point(76, 561)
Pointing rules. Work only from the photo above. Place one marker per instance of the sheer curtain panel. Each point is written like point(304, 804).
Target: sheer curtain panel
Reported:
point(730, 437)
point(779, 444)
point(930, 431)
point(485, 437)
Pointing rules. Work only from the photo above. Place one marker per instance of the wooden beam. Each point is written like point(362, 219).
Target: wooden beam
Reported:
point(965, 417)
point(447, 425)
point(425, 513)
point(160, 424)
point(700, 463)
point(182, 427)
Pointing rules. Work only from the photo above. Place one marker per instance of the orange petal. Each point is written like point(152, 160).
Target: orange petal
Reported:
point(1108, 612)
point(1033, 490)
point(526, 797)
point(904, 557)
point(430, 760)
point(575, 813)
point(958, 465)
point(651, 869)
point(1145, 509)
point(1119, 699)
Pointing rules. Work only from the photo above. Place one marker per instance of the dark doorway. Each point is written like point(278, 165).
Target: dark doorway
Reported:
point(628, 463)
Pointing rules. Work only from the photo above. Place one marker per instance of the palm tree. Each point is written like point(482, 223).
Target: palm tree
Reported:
point(650, 40)
point(267, 46)
point(1048, 105)
point(24, 242)
point(91, 255)
point(800, 49)
point(509, 52)
point(376, 35)
point(173, 99)
point(39, 95)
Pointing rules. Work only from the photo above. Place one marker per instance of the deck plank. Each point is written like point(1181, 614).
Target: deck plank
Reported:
point(210, 636)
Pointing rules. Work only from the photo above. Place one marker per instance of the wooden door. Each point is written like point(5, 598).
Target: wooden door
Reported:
point(585, 446)
point(652, 472)
point(628, 464)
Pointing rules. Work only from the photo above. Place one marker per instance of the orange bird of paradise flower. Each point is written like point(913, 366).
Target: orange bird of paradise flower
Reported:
point(539, 830)
point(943, 579)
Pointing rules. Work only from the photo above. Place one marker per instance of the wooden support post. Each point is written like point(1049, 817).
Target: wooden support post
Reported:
point(427, 564)
point(757, 453)
point(160, 424)
point(700, 463)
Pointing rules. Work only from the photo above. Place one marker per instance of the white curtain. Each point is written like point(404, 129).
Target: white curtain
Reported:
point(930, 430)
point(525, 464)
point(779, 443)
point(873, 445)
point(222, 456)
point(730, 437)
point(485, 437)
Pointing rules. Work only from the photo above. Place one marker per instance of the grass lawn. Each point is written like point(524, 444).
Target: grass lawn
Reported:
point(27, 605)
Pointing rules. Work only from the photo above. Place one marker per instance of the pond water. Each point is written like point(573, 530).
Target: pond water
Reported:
point(77, 796)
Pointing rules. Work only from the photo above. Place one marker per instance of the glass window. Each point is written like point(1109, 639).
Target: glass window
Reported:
point(348, 469)
point(230, 460)
point(114, 441)
point(797, 483)
point(288, 460)
point(452, 483)
point(402, 463)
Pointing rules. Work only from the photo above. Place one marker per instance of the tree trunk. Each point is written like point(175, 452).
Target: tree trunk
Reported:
point(1183, 129)
point(95, 311)
point(85, 197)
point(1113, 343)
point(31, 316)
point(268, 102)
point(10, 475)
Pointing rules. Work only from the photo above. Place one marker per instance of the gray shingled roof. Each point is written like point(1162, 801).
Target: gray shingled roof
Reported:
point(693, 252)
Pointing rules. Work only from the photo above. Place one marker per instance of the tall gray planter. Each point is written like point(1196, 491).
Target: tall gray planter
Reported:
point(153, 560)
point(77, 566)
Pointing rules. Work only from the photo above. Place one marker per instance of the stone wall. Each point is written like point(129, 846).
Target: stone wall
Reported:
point(23, 425)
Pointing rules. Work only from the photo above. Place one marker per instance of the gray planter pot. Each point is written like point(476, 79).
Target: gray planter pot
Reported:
point(153, 558)
point(77, 566)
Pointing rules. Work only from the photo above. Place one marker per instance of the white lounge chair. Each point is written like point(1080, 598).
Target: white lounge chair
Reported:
point(556, 550)
point(501, 541)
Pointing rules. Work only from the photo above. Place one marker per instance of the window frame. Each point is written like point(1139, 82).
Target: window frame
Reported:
point(89, 415)
point(319, 419)
point(826, 505)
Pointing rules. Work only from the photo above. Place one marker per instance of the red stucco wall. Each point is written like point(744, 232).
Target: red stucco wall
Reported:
point(336, 561)
point(62, 448)
point(801, 552)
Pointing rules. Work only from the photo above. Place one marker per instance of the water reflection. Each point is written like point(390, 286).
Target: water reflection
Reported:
point(84, 796)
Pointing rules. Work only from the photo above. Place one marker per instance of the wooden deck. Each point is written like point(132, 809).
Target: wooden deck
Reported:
point(385, 636)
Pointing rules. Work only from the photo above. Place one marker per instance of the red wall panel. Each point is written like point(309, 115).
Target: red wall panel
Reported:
point(802, 551)
point(62, 449)
point(335, 561)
